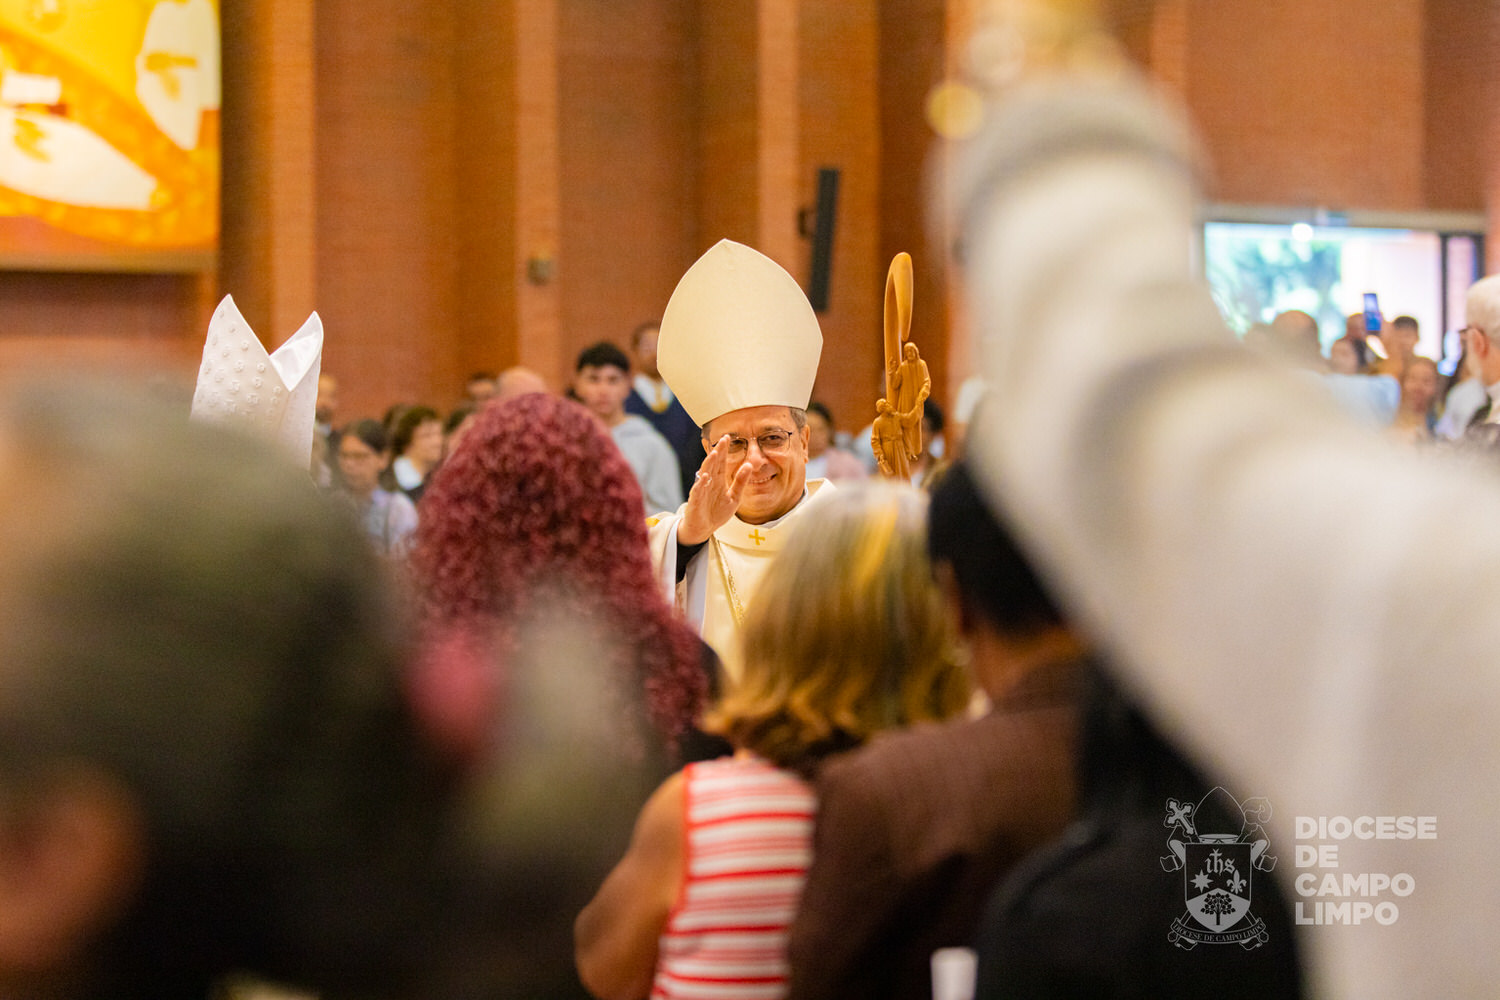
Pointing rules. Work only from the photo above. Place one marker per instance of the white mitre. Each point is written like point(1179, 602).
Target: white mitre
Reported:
point(738, 332)
point(271, 396)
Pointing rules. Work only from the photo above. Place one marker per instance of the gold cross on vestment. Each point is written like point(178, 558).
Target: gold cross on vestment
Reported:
point(757, 537)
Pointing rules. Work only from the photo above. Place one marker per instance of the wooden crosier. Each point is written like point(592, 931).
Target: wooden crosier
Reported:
point(896, 435)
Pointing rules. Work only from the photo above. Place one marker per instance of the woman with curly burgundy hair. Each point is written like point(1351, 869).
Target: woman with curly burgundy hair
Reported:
point(537, 516)
point(553, 665)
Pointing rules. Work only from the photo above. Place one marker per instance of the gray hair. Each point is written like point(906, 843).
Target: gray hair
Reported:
point(1482, 306)
point(799, 420)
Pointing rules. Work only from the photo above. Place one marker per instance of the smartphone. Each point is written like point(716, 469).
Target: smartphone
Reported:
point(1453, 353)
point(1373, 321)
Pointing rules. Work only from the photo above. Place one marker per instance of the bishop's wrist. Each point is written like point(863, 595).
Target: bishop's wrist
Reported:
point(687, 537)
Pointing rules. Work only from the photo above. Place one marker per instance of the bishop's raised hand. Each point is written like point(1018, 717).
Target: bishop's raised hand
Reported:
point(715, 496)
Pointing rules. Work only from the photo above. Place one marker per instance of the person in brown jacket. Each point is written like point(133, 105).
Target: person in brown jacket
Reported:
point(916, 828)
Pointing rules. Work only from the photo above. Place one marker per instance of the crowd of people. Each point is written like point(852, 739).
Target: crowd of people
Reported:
point(859, 710)
point(382, 466)
point(644, 692)
point(1376, 372)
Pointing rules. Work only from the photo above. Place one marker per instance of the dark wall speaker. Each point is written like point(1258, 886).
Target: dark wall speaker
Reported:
point(822, 238)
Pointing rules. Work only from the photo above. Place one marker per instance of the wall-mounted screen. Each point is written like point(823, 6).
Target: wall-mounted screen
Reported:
point(109, 134)
point(1260, 269)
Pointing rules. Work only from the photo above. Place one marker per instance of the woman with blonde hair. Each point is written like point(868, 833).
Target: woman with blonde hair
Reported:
point(846, 636)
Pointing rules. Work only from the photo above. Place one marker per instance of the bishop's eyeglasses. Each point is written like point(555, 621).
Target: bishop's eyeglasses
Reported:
point(773, 442)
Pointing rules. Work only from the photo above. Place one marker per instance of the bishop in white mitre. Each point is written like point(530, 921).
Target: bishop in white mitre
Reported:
point(739, 346)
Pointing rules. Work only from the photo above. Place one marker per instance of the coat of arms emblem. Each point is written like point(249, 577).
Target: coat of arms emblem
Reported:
point(1218, 844)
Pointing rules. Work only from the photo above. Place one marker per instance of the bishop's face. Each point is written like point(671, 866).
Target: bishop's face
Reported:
point(777, 474)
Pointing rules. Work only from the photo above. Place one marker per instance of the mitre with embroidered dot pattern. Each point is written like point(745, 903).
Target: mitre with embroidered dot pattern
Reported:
point(273, 396)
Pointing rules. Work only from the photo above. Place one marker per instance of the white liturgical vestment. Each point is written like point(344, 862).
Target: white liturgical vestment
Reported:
point(724, 574)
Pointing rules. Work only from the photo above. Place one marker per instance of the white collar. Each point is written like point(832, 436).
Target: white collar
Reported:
point(407, 476)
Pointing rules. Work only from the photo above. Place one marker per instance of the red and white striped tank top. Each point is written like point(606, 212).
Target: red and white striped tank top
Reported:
point(749, 842)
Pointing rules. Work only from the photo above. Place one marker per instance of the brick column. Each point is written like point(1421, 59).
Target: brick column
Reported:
point(507, 185)
point(838, 72)
point(536, 194)
point(269, 243)
point(1491, 152)
point(917, 40)
point(777, 168)
point(748, 141)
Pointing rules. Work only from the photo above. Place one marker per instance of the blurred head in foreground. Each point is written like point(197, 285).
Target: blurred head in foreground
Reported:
point(846, 635)
point(994, 586)
point(206, 762)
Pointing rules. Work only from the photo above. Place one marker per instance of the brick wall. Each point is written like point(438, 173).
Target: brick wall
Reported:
point(1310, 103)
point(913, 46)
point(396, 165)
point(386, 200)
point(839, 126)
point(628, 122)
point(1458, 64)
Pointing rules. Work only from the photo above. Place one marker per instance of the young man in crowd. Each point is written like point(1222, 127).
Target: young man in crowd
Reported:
point(602, 381)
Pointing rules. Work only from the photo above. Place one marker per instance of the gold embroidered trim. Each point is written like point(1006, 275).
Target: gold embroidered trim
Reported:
point(735, 607)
